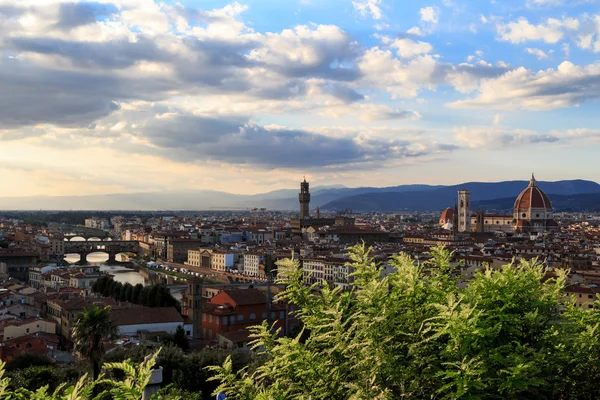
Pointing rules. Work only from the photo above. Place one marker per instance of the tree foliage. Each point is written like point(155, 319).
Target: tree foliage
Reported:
point(91, 328)
point(415, 334)
point(135, 378)
point(157, 295)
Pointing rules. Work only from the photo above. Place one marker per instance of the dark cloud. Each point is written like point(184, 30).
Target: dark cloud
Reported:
point(72, 15)
point(32, 95)
point(476, 71)
point(112, 55)
point(580, 88)
point(343, 92)
point(195, 139)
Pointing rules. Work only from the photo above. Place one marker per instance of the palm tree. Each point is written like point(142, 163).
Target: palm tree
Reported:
point(90, 329)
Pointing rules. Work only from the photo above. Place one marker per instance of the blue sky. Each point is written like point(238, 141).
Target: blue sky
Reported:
point(120, 96)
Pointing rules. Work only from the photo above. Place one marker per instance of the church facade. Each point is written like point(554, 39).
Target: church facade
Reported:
point(532, 214)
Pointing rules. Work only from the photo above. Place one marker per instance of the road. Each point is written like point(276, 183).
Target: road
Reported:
point(226, 277)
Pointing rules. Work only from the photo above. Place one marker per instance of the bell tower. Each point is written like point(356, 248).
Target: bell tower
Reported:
point(464, 211)
point(304, 197)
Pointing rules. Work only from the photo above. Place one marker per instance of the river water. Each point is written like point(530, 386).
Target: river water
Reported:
point(120, 273)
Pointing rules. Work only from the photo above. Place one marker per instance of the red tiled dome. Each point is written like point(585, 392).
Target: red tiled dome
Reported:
point(532, 197)
point(447, 215)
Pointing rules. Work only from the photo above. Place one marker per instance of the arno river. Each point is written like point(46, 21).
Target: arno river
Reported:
point(121, 274)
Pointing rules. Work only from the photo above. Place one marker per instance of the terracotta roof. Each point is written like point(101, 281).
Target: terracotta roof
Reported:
point(238, 336)
point(245, 297)
point(447, 215)
point(532, 197)
point(147, 315)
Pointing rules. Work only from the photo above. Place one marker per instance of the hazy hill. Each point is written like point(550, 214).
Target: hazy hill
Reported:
point(285, 199)
point(395, 198)
point(443, 197)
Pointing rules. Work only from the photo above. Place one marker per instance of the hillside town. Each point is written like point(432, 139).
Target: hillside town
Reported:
point(224, 264)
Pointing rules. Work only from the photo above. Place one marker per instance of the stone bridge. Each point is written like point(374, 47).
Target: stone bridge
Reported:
point(112, 248)
point(86, 236)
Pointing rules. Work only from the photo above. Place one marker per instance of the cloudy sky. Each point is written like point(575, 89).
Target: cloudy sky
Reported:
point(119, 96)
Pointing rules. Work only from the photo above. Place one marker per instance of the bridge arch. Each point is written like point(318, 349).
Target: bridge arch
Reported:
point(77, 238)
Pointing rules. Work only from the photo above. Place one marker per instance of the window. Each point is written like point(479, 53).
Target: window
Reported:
point(240, 317)
point(225, 320)
point(232, 319)
point(523, 215)
point(590, 296)
point(264, 315)
point(281, 314)
point(210, 318)
point(27, 330)
point(203, 317)
point(273, 314)
point(252, 316)
point(28, 346)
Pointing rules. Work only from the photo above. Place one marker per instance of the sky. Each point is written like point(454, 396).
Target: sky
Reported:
point(124, 96)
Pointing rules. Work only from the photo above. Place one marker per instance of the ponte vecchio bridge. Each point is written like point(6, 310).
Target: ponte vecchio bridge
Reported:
point(110, 247)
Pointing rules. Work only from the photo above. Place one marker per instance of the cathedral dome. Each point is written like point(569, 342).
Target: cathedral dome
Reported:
point(532, 197)
point(447, 216)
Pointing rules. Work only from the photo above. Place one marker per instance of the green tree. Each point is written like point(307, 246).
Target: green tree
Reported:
point(135, 295)
point(90, 329)
point(115, 290)
point(414, 334)
point(128, 292)
point(180, 338)
point(27, 360)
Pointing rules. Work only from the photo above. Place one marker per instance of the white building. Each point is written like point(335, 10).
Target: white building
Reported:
point(136, 321)
point(253, 263)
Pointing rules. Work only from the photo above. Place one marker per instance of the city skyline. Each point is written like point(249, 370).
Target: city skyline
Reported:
point(128, 96)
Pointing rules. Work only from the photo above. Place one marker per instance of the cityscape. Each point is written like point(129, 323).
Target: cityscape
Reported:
point(219, 269)
point(301, 199)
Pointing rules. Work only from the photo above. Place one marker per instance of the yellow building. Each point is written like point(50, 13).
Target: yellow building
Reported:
point(27, 327)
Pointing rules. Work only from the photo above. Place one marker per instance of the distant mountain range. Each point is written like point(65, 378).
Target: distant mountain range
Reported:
point(576, 194)
point(499, 195)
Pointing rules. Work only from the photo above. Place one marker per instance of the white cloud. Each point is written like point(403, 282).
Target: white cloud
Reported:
point(415, 31)
point(401, 79)
point(496, 119)
point(566, 48)
point(568, 85)
point(521, 31)
point(483, 19)
point(430, 15)
point(541, 55)
point(496, 137)
point(407, 48)
point(368, 8)
point(585, 41)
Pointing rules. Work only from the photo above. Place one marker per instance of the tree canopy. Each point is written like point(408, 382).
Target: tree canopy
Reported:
point(415, 333)
point(157, 295)
point(91, 328)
